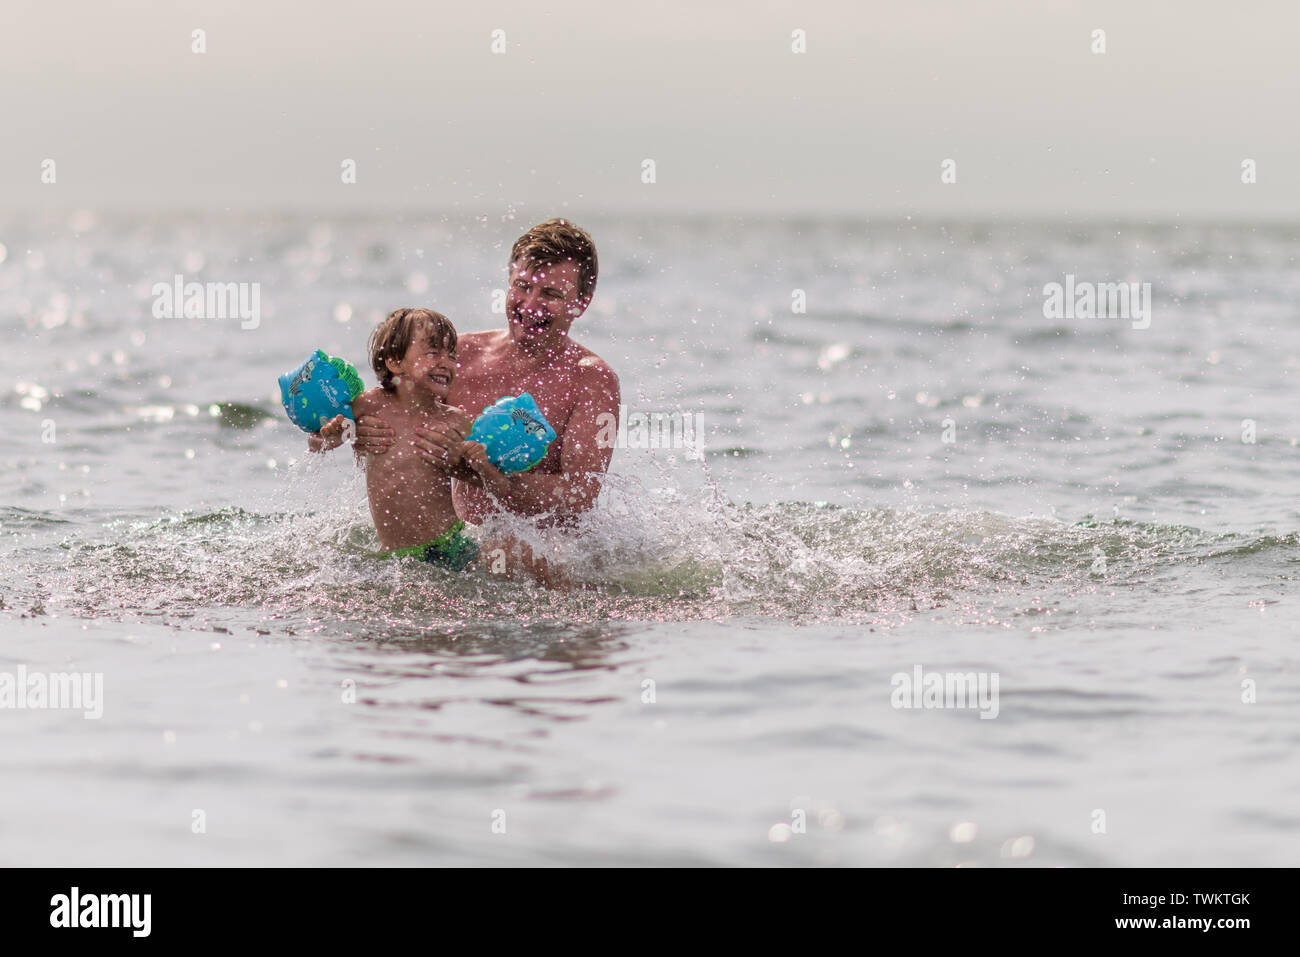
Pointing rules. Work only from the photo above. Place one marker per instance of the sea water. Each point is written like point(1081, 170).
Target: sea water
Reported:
point(903, 462)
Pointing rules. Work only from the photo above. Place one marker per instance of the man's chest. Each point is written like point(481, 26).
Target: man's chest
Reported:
point(476, 388)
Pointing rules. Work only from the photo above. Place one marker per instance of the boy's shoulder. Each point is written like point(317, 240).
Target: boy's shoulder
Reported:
point(370, 401)
point(452, 413)
point(379, 401)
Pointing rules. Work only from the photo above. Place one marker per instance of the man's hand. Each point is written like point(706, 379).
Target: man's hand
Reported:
point(374, 437)
point(332, 434)
point(441, 444)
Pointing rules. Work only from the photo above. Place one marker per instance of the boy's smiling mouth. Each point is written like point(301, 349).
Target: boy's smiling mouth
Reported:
point(440, 378)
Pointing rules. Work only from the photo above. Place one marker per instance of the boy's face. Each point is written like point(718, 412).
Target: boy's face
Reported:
point(542, 303)
point(426, 367)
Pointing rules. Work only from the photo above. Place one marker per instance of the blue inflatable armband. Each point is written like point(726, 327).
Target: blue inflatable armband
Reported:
point(319, 389)
point(514, 432)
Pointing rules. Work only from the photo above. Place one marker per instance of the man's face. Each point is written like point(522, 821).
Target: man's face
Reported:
point(542, 303)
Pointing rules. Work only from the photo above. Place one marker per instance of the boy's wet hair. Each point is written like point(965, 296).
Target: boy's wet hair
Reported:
point(554, 241)
point(393, 337)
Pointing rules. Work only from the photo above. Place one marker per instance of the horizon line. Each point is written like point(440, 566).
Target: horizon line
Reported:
point(975, 217)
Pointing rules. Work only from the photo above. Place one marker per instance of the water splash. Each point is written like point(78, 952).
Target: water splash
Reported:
point(647, 553)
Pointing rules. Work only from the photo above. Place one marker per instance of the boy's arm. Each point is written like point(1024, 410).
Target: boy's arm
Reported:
point(341, 429)
point(331, 435)
point(586, 457)
point(492, 479)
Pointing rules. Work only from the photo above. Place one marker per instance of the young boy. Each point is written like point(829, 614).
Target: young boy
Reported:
point(413, 352)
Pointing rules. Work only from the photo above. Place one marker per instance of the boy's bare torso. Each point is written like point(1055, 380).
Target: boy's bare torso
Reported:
point(410, 499)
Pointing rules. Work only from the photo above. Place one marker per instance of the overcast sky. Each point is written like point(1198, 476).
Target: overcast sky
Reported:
point(1037, 124)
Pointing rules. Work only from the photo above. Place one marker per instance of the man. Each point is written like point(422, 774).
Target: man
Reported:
point(553, 270)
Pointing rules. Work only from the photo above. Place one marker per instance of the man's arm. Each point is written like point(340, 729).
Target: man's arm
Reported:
point(585, 460)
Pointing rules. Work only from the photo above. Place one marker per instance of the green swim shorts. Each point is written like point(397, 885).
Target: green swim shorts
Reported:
point(452, 550)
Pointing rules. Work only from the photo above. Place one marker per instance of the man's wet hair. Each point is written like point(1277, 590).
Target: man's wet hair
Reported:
point(555, 241)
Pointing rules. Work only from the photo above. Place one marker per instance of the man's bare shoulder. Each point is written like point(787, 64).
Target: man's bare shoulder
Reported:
point(596, 374)
point(593, 366)
point(470, 343)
